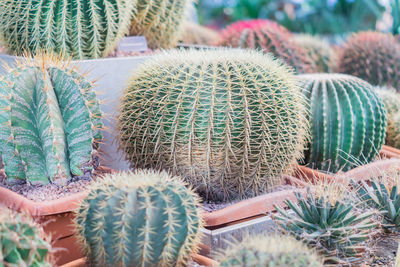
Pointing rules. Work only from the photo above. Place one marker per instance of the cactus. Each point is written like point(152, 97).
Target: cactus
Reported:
point(326, 219)
point(348, 121)
point(50, 122)
point(199, 35)
point(391, 99)
point(270, 37)
point(229, 121)
point(144, 218)
point(22, 242)
point(160, 21)
point(78, 28)
point(318, 50)
point(372, 56)
point(270, 251)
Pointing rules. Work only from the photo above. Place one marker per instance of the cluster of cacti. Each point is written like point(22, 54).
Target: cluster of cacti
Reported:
point(270, 251)
point(372, 56)
point(326, 220)
point(231, 122)
point(143, 218)
point(320, 51)
point(348, 121)
point(78, 28)
point(160, 21)
point(199, 35)
point(22, 242)
point(391, 99)
point(269, 37)
point(50, 122)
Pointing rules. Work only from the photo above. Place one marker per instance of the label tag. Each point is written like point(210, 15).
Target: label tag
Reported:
point(133, 44)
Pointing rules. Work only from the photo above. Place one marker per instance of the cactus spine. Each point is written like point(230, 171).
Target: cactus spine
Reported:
point(160, 21)
point(230, 122)
point(79, 28)
point(50, 122)
point(22, 242)
point(270, 251)
point(143, 218)
point(348, 121)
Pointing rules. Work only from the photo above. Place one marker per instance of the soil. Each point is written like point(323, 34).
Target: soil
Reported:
point(383, 250)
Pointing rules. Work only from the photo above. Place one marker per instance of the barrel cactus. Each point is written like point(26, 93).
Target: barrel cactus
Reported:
point(144, 218)
point(391, 99)
point(230, 122)
point(50, 122)
point(22, 242)
point(160, 21)
point(372, 56)
point(78, 28)
point(199, 35)
point(348, 121)
point(269, 37)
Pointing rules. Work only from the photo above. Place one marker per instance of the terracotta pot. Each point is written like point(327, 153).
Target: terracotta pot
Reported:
point(55, 216)
point(389, 152)
point(310, 175)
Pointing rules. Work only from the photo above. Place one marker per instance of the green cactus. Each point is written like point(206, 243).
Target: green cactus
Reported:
point(321, 53)
point(328, 221)
point(78, 28)
point(22, 242)
point(348, 121)
point(229, 121)
point(199, 35)
point(270, 251)
point(50, 122)
point(160, 21)
point(391, 99)
point(145, 218)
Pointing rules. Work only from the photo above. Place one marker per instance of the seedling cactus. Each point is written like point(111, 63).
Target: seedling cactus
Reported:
point(50, 122)
point(348, 121)
point(230, 122)
point(143, 218)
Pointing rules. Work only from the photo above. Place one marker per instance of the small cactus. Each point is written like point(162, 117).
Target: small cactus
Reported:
point(144, 218)
point(199, 35)
point(50, 122)
point(22, 242)
point(160, 21)
point(372, 56)
point(78, 28)
point(269, 37)
point(348, 121)
point(391, 99)
point(229, 121)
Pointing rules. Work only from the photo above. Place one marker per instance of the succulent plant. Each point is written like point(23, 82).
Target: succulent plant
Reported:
point(229, 121)
point(199, 35)
point(22, 242)
point(321, 53)
point(372, 56)
point(144, 218)
point(326, 220)
point(160, 21)
point(270, 251)
point(391, 99)
point(269, 37)
point(78, 28)
point(348, 121)
point(50, 122)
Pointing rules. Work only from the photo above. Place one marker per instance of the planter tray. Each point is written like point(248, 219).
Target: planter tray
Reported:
point(390, 152)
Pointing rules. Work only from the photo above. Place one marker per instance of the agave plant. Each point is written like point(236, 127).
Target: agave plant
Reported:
point(325, 219)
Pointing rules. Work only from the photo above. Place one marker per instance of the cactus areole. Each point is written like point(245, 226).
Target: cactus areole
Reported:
point(50, 122)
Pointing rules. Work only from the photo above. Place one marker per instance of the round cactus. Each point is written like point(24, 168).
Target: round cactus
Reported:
point(143, 218)
point(391, 99)
point(50, 122)
point(78, 28)
point(269, 37)
point(348, 121)
point(270, 251)
point(318, 50)
point(372, 56)
point(229, 121)
point(199, 35)
point(22, 242)
point(160, 21)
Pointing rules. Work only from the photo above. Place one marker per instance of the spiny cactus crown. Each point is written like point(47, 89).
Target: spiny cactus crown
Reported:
point(230, 122)
point(79, 28)
point(348, 121)
point(144, 218)
point(199, 35)
point(270, 251)
point(50, 121)
point(391, 99)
